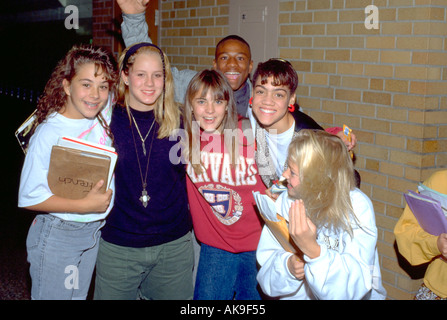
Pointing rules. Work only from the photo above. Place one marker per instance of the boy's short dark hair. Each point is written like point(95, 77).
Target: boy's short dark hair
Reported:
point(232, 37)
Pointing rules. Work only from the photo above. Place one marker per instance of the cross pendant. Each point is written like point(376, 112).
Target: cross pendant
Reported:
point(144, 198)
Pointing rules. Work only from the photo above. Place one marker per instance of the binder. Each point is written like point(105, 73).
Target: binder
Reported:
point(429, 213)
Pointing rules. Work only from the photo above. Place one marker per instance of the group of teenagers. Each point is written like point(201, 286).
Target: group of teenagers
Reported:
point(179, 220)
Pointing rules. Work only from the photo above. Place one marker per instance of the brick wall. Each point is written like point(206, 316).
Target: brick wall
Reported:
point(103, 24)
point(388, 84)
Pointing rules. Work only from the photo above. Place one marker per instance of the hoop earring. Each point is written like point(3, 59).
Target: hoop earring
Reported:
point(250, 102)
point(291, 108)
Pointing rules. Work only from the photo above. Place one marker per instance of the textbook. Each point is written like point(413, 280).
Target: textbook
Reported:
point(430, 214)
point(77, 165)
point(277, 224)
point(76, 143)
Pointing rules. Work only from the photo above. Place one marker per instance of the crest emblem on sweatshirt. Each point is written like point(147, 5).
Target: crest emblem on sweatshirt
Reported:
point(225, 203)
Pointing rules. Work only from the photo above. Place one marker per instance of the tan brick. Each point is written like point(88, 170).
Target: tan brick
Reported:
point(348, 95)
point(325, 42)
point(376, 84)
point(351, 42)
point(355, 82)
point(396, 28)
point(334, 106)
point(322, 92)
point(312, 54)
point(365, 55)
point(317, 79)
point(377, 97)
point(338, 55)
point(396, 85)
point(290, 30)
point(386, 71)
point(351, 15)
point(401, 57)
point(324, 67)
point(361, 4)
point(350, 68)
point(380, 42)
point(363, 109)
point(376, 125)
point(340, 29)
point(318, 4)
point(393, 114)
point(318, 29)
point(324, 16)
point(430, 28)
point(406, 158)
point(409, 130)
point(391, 169)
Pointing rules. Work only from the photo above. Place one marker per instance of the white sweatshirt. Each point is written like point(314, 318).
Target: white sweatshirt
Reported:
point(347, 268)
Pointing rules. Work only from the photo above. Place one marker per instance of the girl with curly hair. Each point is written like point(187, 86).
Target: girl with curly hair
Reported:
point(62, 241)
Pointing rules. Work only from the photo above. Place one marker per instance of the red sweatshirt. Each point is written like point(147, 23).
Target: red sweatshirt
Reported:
point(221, 201)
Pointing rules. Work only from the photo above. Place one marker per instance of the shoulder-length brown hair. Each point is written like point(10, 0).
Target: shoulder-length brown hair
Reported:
point(201, 83)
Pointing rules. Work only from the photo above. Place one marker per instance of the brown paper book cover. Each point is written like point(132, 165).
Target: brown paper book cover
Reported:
point(280, 230)
point(73, 173)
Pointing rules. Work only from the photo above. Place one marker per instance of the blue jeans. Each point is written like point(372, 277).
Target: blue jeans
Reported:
point(62, 256)
point(223, 275)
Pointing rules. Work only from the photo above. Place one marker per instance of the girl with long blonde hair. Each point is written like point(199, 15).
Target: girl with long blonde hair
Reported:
point(331, 223)
point(148, 230)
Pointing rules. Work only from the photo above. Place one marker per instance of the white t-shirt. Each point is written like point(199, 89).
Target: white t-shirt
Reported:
point(278, 144)
point(33, 187)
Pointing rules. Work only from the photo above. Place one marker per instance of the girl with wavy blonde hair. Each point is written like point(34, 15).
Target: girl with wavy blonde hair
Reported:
point(331, 224)
point(326, 175)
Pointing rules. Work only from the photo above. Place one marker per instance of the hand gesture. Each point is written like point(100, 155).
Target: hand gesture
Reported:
point(96, 200)
point(133, 6)
point(302, 230)
point(296, 267)
point(349, 144)
point(442, 244)
point(272, 195)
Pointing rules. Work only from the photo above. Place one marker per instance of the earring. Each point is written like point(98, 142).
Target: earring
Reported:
point(291, 107)
point(250, 102)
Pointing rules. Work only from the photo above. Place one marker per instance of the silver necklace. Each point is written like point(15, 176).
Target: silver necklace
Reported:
point(144, 198)
point(139, 133)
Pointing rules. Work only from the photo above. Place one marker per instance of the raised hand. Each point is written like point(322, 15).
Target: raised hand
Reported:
point(133, 6)
point(302, 230)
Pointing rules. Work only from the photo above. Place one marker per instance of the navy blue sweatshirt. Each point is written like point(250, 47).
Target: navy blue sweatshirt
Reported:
point(166, 217)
